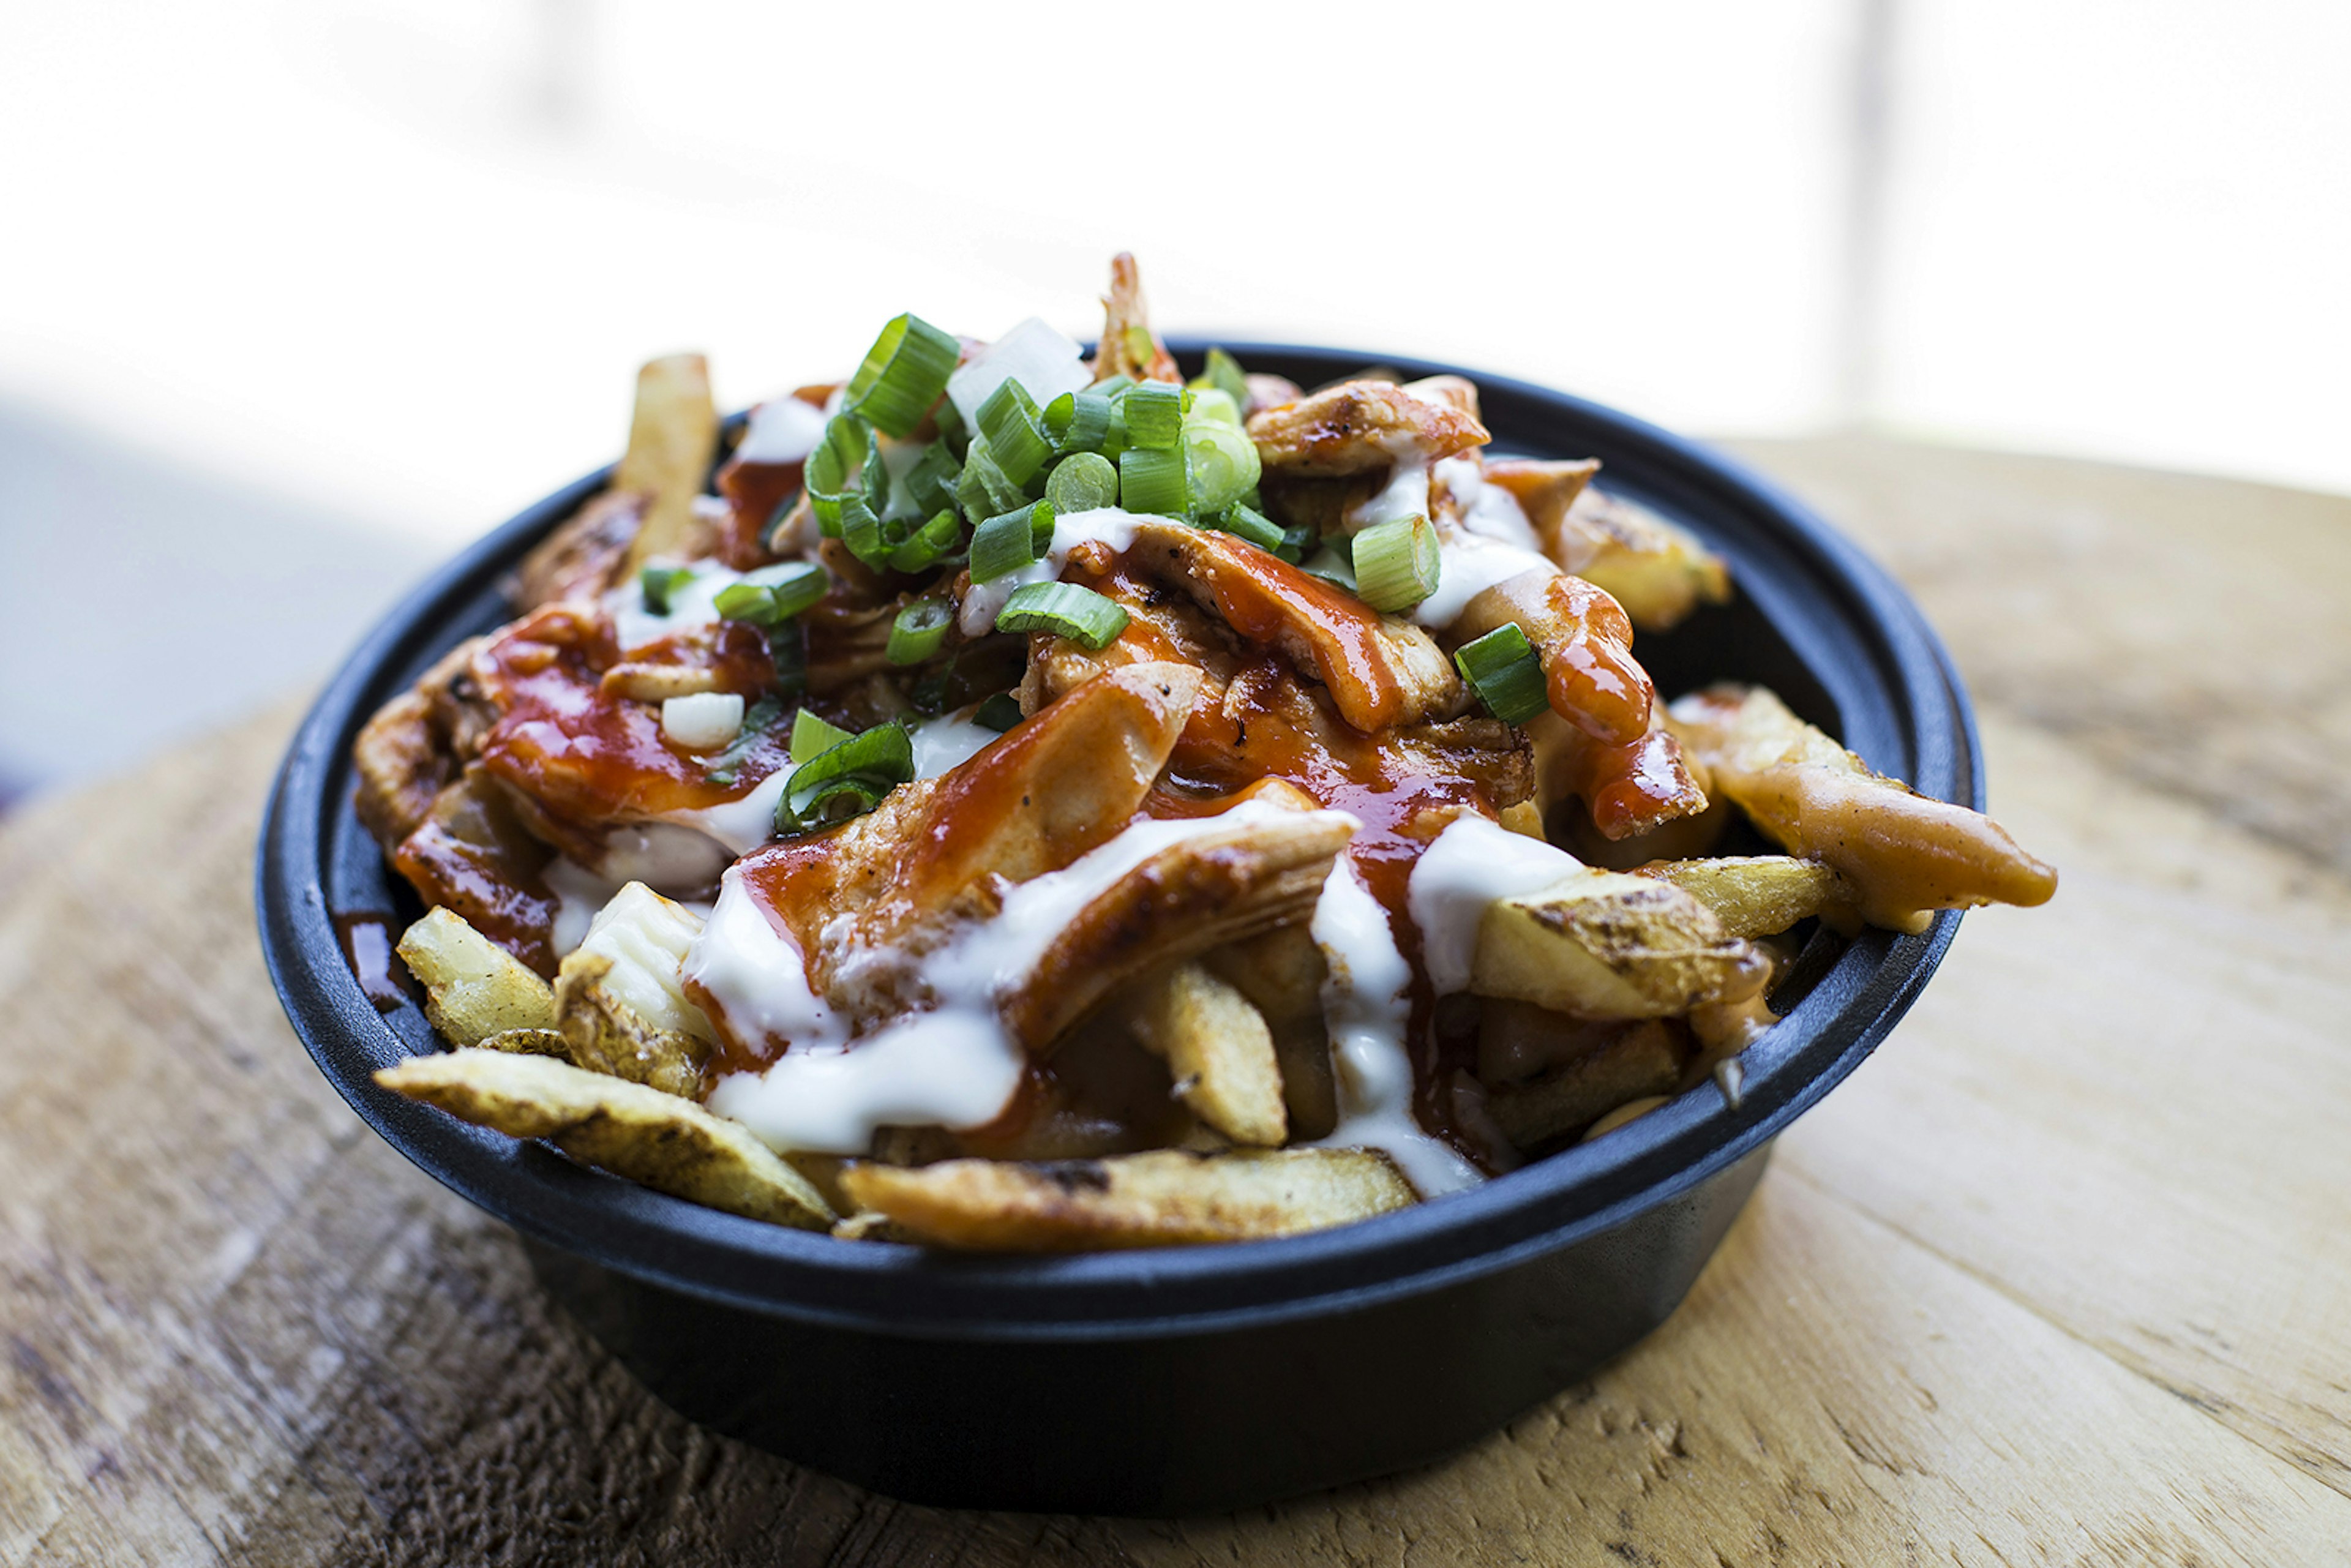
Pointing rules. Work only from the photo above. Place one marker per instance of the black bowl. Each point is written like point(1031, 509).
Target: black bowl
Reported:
point(1205, 1377)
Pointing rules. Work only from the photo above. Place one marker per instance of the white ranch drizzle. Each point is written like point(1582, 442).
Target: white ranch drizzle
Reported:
point(692, 604)
point(1474, 861)
point(1367, 1008)
point(1468, 564)
point(1107, 526)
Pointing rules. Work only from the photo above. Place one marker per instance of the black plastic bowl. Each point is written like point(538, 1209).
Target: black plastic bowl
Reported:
point(1203, 1377)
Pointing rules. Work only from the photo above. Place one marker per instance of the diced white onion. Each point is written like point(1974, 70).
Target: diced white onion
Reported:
point(704, 721)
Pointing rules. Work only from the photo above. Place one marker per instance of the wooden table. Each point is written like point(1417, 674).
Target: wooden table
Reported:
point(2063, 1274)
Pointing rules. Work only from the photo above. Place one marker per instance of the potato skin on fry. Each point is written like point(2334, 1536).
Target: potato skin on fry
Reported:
point(473, 988)
point(670, 1145)
point(1644, 1061)
point(1165, 1198)
point(1221, 1051)
point(1604, 945)
point(1754, 895)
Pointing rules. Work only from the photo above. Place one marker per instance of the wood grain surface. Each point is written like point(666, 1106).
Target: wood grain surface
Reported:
point(2063, 1274)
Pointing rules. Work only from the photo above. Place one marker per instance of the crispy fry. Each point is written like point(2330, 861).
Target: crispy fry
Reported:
point(1603, 944)
point(1641, 1061)
point(670, 1145)
point(473, 988)
point(672, 435)
point(618, 1001)
point(1755, 895)
point(584, 557)
point(1221, 1051)
point(1282, 974)
point(1357, 426)
point(529, 1042)
point(1168, 1197)
point(1657, 571)
point(1904, 855)
point(1631, 1111)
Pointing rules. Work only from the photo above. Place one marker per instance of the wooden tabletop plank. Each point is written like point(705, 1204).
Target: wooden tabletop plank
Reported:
point(2058, 1274)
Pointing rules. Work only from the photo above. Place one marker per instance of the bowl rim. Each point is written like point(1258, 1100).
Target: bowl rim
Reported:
point(1545, 1205)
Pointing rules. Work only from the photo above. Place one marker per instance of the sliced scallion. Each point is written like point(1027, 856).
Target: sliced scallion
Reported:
point(1010, 540)
point(1064, 608)
point(1110, 386)
point(1223, 462)
point(903, 373)
point(861, 530)
point(1332, 566)
point(1224, 374)
point(763, 717)
point(839, 455)
point(1016, 435)
point(1082, 482)
point(1078, 420)
point(928, 546)
point(1155, 414)
point(1397, 563)
point(850, 778)
point(998, 713)
point(1153, 481)
point(984, 491)
point(1247, 522)
point(1506, 673)
point(788, 649)
point(813, 737)
point(773, 594)
point(930, 483)
point(1295, 540)
point(919, 631)
point(1213, 404)
point(657, 583)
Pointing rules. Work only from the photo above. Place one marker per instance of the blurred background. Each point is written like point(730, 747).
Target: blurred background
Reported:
point(296, 296)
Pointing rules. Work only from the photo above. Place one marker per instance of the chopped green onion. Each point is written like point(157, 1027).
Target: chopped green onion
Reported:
point(985, 489)
point(1332, 566)
point(950, 419)
point(841, 453)
point(1397, 563)
point(861, 530)
point(903, 373)
point(1247, 522)
point(856, 773)
point(998, 713)
point(1064, 608)
point(773, 593)
point(919, 631)
point(930, 483)
point(812, 737)
point(1213, 404)
point(1110, 386)
point(1155, 414)
point(658, 582)
point(1223, 373)
point(928, 546)
point(1223, 462)
point(723, 768)
point(1079, 422)
point(1151, 481)
point(1506, 673)
point(788, 648)
point(1011, 541)
point(1082, 482)
point(1294, 540)
point(1016, 436)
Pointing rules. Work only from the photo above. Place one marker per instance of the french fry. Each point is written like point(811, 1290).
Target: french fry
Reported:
point(1631, 1111)
point(1606, 945)
point(1903, 854)
point(529, 1042)
point(1167, 1197)
point(1754, 895)
point(1221, 1052)
point(1641, 1061)
point(668, 1144)
point(473, 988)
point(618, 999)
point(1282, 974)
point(672, 435)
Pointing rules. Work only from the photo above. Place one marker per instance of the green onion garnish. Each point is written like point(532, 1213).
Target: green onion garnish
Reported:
point(1011, 541)
point(1397, 563)
point(930, 483)
point(928, 546)
point(919, 631)
point(985, 489)
point(1504, 670)
point(812, 737)
point(1332, 566)
point(861, 530)
point(1153, 481)
point(1078, 421)
point(658, 582)
point(1213, 404)
point(1110, 386)
point(1294, 540)
point(723, 768)
point(849, 778)
point(788, 649)
point(1082, 482)
point(903, 373)
point(773, 594)
point(1064, 608)
point(1223, 461)
point(1155, 414)
point(998, 713)
point(1247, 522)
point(773, 527)
point(841, 453)
point(1016, 435)
point(1224, 374)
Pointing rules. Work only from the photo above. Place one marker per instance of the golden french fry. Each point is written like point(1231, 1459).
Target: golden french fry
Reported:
point(1631, 1111)
point(1221, 1052)
point(1903, 854)
point(1606, 945)
point(618, 999)
point(669, 1144)
point(473, 988)
point(1641, 1061)
point(1282, 974)
point(529, 1042)
point(1657, 571)
point(1754, 895)
point(1167, 1197)
point(672, 435)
